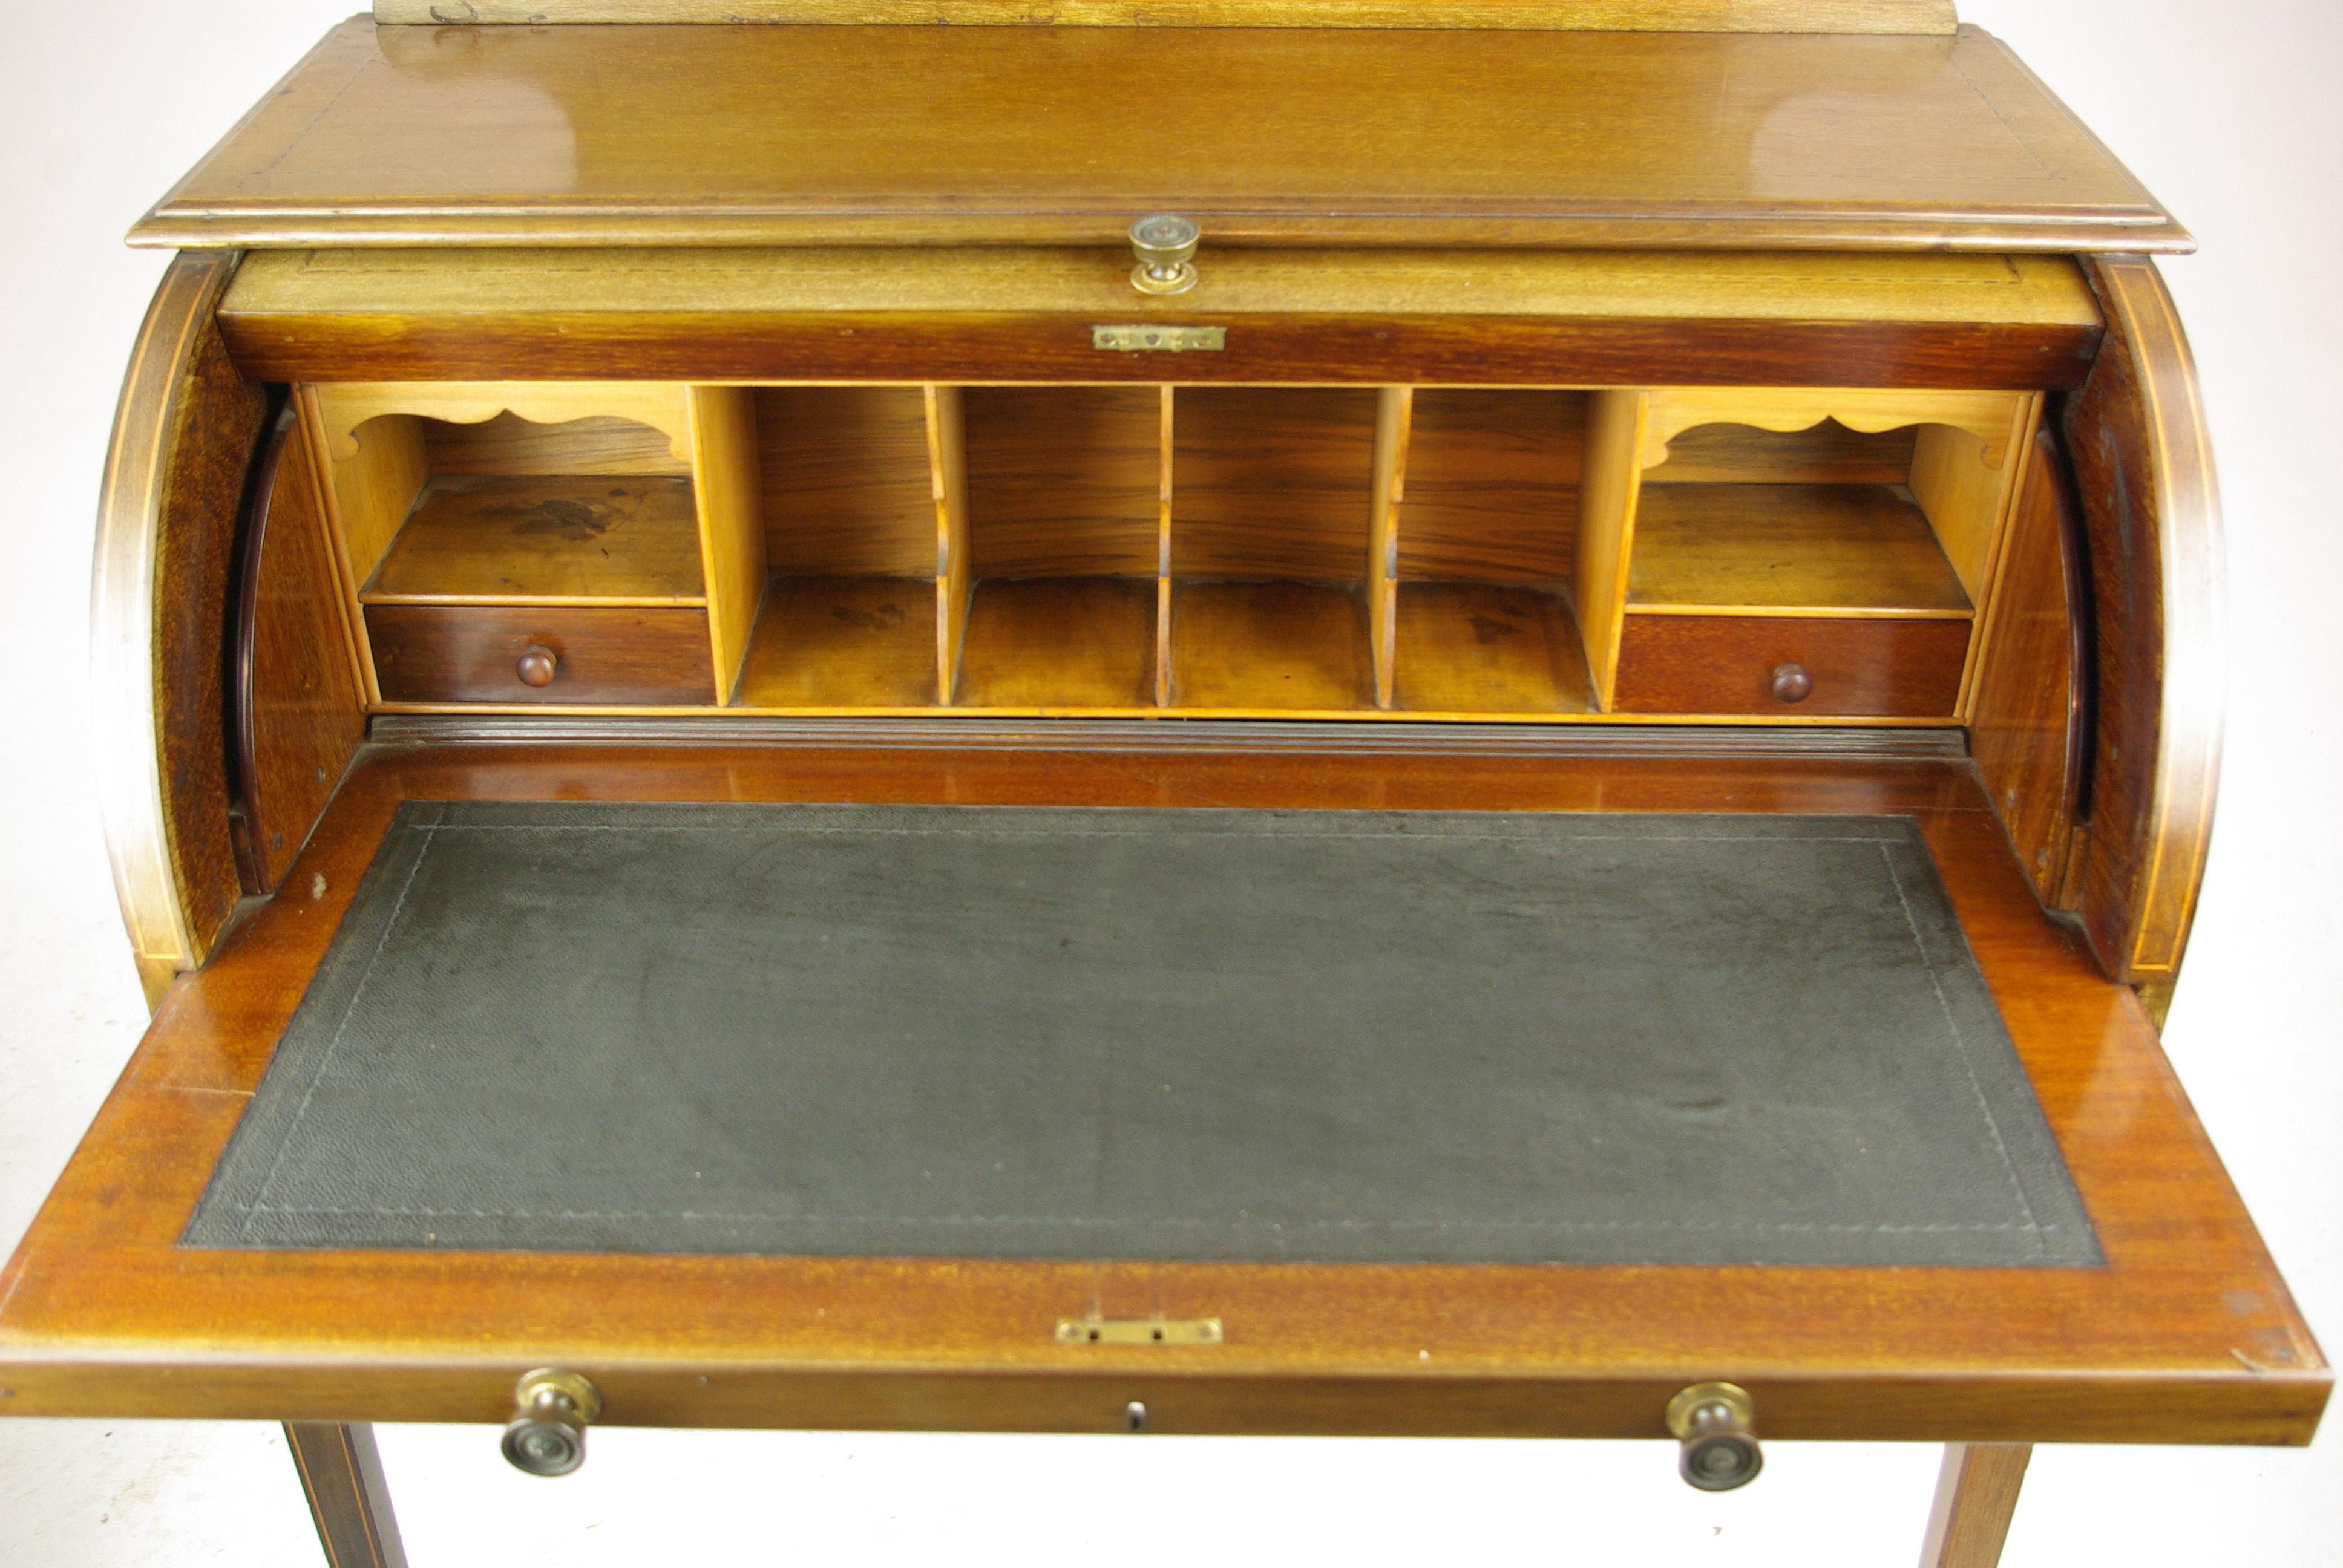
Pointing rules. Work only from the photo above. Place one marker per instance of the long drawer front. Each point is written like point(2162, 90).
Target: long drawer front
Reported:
point(1784, 666)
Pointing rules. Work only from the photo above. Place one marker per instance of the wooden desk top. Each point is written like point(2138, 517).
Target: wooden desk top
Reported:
point(785, 135)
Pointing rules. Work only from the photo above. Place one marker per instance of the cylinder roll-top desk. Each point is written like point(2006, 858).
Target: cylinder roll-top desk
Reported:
point(1371, 716)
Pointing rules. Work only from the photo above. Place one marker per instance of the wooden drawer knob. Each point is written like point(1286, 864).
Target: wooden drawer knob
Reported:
point(1791, 683)
point(537, 666)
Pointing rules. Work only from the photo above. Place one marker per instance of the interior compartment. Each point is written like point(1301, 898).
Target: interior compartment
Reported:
point(1272, 492)
point(848, 506)
point(1064, 535)
point(589, 511)
point(1825, 520)
point(1486, 533)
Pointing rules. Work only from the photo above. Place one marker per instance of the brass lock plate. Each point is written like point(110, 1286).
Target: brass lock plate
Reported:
point(1139, 1331)
point(1159, 339)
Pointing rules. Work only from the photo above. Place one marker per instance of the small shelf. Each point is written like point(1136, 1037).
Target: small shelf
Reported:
point(1489, 648)
point(545, 540)
point(1735, 548)
point(1270, 644)
point(842, 642)
point(1060, 643)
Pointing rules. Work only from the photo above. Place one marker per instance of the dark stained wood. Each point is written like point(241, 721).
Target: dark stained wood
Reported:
point(1976, 1495)
point(1860, 666)
point(1271, 482)
point(433, 653)
point(300, 713)
point(2152, 526)
point(2026, 713)
point(1062, 480)
point(846, 484)
point(812, 135)
point(216, 426)
point(341, 1475)
point(2185, 1334)
point(1492, 485)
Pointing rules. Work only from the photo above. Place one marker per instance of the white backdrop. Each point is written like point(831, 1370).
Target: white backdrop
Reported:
point(2229, 112)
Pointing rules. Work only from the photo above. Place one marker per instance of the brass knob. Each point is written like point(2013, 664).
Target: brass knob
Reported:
point(1711, 1420)
point(538, 665)
point(547, 1435)
point(1165, 244)
point(1791, 683)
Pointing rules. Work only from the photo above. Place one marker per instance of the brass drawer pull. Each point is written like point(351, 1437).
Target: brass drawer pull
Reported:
point(1712, 1419)
point(1165, 246)
point(547, 1435)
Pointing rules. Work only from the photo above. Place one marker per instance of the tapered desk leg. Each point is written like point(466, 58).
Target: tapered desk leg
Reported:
point(341, 1473)
point(1977, 1493)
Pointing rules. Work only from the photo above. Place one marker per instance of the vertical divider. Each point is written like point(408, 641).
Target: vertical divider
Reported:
point(1611, 484)
point(1394, 415)
point(955, 573)
point(1163, 553)
point(725, 488)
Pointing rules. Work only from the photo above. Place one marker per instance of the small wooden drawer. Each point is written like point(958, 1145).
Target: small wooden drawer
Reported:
point(436, 653)
point(1853, 667)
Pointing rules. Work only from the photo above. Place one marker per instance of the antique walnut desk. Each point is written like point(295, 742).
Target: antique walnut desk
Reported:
point(1483, 717)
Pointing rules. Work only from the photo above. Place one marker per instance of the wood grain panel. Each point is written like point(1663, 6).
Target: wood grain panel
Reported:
point(494, 541)
point(429, 653)
point(2186, 1333)
point(1046, 644)
point(185, 436)
point(1062, 480)
point(1271, 482)
point(341, 1477)
point(1814, 547)
point(842, 642)
point(1489, 648)
point(2027, 724)
point(1976, 1497)
point(1726, 663)
point(1925, 16)
point(725, 475)
point(1263, 647)
point(1492, 485)
point(299, 709)
point(846, 487)
point(510, 445)
point(680, 135)
point(1826, 454)
point(991, 314)
point(2152, 516)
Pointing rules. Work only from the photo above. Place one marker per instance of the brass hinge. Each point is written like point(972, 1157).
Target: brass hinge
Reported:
point(1161, 339)
point(1139, 1331)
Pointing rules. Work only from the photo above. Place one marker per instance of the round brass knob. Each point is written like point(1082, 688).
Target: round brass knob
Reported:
point(547, 1435)
point(1712, 1419)
point(1165, 244)
point(1791, 683)
point(538, 665)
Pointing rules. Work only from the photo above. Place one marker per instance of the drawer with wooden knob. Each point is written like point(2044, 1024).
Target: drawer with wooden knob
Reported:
point(1791, 666)
point(568, 654)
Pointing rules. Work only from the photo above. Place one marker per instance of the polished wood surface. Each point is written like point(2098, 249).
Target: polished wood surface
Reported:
point(2152, 519)
point(726, 497)
point(2026, 715)
point(1063, 481)
point(811, 135)
point(183, 434)
point(845, 484)
point(1925, 16)
point(472, 653)
point(1492, 485)
point(1788, 547)
point(1489, 648)
point(341, 1477)
point(992, 314)
point(299, 710)
point(2185, 1334)
point(1272, 482)
point(1976, 1496)
point(1038, 644)
point(1270, 647)
point(832, 642)
point(548, 541)
point(1726, 663)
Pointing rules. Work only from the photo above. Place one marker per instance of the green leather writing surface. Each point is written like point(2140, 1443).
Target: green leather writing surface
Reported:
point(1017, 1032)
